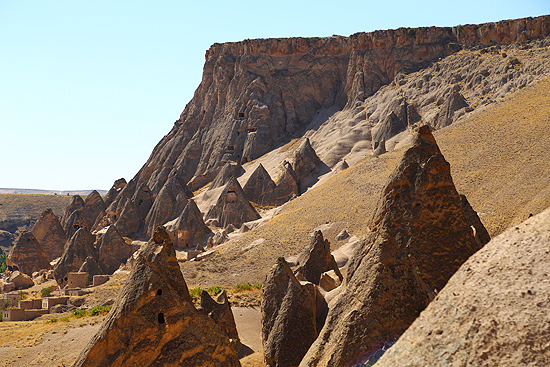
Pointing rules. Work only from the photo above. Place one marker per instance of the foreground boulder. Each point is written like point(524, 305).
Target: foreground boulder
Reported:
point(419, 236)
point(50, 235)
point(289, 316)
point(492, 312)
point(27, 254)
point(153, 321)
point(316, 259)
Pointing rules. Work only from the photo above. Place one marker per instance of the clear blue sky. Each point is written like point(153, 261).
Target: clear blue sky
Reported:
point(88, 88)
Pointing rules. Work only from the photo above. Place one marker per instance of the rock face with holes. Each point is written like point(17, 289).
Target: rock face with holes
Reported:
point(28, 255)
point(189, 230)
point(72, 219)
point(420, 235)
point(232, 207)
point(50, 235)
point(316, 259)
point(492, 312)
point(77, 250)
point(289, 316)
point(154, 322)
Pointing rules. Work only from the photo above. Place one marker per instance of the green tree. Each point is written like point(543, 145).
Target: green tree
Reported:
point(3, 258)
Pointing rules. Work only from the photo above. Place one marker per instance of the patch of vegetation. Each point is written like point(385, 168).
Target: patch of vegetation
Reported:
point(3, 258)
point(411, 32)
point(98, 310)
point(46, 292)
point(79, 313)
point(195, 293)
point(246, 287)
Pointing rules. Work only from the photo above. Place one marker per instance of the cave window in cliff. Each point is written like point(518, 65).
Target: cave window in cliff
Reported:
point(251, 129)
point(159, 292)
point(231, 197)
point(230, 148)
point(241, 115)
point(161, 318)
point(76, 226)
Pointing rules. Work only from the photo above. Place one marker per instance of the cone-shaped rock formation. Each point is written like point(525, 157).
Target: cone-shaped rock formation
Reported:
point(259, 186)
point(188, 230)
point(289, 316)
point(316, 259)
point(153, 321)
point(134, 212)
point(306, 163)
point(50, 235)
point(168, 204)
point(93, 206)
point(220, 311)
point(419, 237)
point(28, 255)
point(90, 267)
point(286, 189)
point(114, 191)
point(77, 249)
point(112, 249)
point(228, 170)
point(232, 206)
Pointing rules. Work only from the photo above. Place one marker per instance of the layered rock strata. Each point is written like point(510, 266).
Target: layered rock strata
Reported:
point(154, 322)
point(256, 93)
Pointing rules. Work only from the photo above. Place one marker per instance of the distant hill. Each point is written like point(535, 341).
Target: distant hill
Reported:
point(49, 192)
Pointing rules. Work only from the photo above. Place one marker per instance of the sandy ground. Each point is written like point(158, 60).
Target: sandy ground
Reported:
point(248, 320)
point(55, 345)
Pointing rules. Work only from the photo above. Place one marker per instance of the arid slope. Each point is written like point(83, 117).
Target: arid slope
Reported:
point(498, 158)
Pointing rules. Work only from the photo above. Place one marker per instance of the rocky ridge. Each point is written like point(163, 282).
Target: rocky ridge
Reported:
point(256, 93)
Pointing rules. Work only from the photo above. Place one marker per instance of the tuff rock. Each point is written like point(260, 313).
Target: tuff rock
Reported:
point(492, 312)
point(77, 250)
point(50, 235)
point(27, 254)
point(289, 316)
point(316, 259)
point(419, 236)
point(153, 321)
point(189, 230)
point(232, 206)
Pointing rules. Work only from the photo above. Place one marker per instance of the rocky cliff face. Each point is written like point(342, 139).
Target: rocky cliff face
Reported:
point(256, 93)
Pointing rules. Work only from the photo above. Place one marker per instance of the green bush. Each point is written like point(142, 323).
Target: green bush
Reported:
point(79, 313)
point(3, 258)
point(195, 293)
point(46, 292)
point(215, 290)
point(52, 321)
point(98, 310)
point(411, 32)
